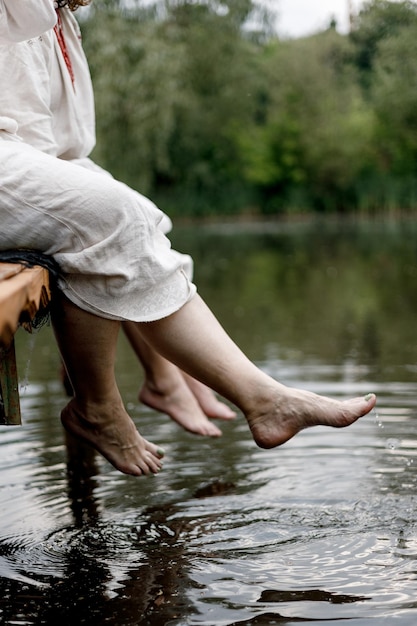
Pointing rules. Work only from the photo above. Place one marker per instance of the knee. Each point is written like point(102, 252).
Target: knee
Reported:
point(118, 208)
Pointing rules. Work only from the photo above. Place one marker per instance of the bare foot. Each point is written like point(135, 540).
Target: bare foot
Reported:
point(293, 410)
point(171, 395)
point(112, 432)
point(207, 399)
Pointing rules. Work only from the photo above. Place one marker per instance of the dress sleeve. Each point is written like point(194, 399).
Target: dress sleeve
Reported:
point(25, 19)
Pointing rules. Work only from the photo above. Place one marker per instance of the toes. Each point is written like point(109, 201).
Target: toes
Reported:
point(370, 399)
point(223, 412)
point(217, 410)
point(149, 465)
point(358, 407)
point(206, 429)
point(214, 431)
point(156, 451)
point(228, 415)
point(149, 461)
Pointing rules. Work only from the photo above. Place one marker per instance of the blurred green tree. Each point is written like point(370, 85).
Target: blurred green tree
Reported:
point(377, 21)
point(312, 142)
point(202, 107)
point(385, 52)
point(173, 80)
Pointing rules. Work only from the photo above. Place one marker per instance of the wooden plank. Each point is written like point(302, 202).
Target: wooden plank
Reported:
point(22, 294)
point(10, 269)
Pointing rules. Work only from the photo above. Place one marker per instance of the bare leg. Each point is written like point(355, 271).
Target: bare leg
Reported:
point(166, 389)
point(211, 406)
point(96, 412)
point(194, 340)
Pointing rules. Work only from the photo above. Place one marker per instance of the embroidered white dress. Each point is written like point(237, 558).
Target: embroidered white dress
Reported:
point(108, 239)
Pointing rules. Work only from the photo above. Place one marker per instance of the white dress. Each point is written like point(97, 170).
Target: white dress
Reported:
point(108, 239)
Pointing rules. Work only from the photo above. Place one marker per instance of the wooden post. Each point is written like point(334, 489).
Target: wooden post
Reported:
point(9, 387)
point(23, 292)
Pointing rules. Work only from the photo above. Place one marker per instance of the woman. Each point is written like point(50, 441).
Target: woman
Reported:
point(59, 120)
point(109, 242)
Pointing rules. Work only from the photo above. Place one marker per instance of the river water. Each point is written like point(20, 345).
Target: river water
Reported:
point(322, 530)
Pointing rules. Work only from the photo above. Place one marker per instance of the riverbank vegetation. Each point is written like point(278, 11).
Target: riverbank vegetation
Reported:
point(203, 107)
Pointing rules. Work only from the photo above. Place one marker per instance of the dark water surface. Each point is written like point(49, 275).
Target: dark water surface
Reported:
point(320, 531)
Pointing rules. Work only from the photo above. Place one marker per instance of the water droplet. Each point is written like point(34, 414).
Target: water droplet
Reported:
point(393, 443)
point(31, 347)
point(378, 421)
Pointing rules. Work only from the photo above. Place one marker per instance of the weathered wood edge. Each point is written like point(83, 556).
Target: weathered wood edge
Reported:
point(23, 292)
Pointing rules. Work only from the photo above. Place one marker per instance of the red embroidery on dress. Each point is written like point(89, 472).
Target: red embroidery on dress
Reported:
point(59, 32)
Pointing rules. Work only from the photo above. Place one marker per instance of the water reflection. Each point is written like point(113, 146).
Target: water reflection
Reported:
point(322, 530)
point(311, 595)
point(99, 560)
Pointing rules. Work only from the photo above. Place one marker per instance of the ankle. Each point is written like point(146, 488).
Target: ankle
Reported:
point(164, 384)
point(262, 399)
point(95, 411)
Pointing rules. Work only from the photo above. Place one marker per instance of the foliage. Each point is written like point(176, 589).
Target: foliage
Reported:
point(378, 21)
point(202, 107)
point(316, 126)
point(386, 41)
